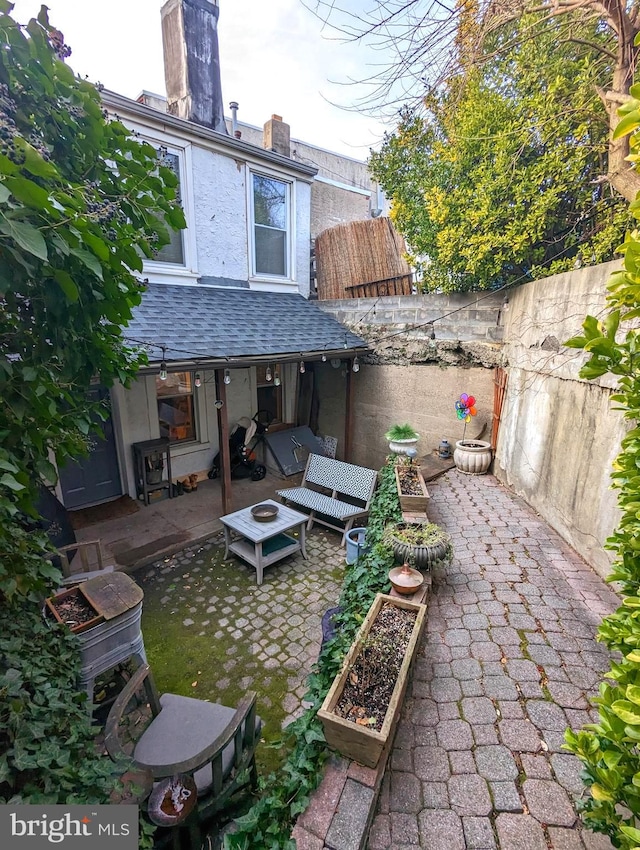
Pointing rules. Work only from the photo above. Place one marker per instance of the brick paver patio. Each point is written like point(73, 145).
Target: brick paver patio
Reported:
point(508, 662)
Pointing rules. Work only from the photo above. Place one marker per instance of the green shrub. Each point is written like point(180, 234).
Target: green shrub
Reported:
point(609, 749)
point(401, 432)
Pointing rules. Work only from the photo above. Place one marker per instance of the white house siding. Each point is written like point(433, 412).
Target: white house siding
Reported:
point(220, 201)
point(303, 241)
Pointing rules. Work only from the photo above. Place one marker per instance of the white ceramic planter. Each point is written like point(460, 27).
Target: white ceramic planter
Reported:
point(400, 447)
point(473, 457)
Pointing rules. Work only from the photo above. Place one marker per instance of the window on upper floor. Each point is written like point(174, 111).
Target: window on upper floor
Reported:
point(176, 261)
point(173, 252)
point(177, 407)
point(271, 218)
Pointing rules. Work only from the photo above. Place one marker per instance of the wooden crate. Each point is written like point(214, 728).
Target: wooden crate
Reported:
point(66, 594)
point(358, 742)
point(418, 504)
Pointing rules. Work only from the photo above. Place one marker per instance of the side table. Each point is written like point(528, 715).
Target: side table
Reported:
point(263, 543)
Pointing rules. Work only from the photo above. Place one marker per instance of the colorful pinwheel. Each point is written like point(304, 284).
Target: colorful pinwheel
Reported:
point(465, 409)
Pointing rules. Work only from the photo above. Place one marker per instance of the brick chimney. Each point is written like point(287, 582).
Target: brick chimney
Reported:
point(192, 61)
point(277, 136)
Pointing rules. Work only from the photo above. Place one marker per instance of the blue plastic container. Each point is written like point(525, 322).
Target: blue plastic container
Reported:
point(356, 544)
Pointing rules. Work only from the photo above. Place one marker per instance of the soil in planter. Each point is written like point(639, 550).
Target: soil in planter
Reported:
point(372, 678)
point(74, 610)
point(409, 481)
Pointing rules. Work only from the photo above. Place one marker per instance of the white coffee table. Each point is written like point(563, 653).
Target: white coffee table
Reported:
point(263, 543)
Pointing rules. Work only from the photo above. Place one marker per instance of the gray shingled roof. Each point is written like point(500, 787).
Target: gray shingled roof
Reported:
point(195, 322)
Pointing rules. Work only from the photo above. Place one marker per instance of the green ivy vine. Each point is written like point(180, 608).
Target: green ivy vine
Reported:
point(610, 748)
point(285, 795)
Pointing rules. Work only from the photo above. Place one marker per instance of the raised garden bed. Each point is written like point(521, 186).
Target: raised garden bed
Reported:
point(412, 491)
point(360, 713)
point(73, 608)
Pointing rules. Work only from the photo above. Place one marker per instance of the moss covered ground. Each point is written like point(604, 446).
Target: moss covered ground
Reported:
point(210, 632)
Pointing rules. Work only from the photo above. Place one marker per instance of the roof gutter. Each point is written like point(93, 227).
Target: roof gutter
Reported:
point(191, 363)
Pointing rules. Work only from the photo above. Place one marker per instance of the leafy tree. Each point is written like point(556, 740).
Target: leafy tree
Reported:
point(501, 176)
point(422, 37)
point(609, 748)
point(81, 203)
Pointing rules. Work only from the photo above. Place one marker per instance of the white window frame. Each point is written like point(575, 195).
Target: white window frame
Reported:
point(290, 255)
point(187, 271)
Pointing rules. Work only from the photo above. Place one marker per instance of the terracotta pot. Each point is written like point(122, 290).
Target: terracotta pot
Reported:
point(473, 457)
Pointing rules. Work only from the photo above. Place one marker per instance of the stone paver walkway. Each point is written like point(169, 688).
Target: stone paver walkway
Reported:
point(508, 662)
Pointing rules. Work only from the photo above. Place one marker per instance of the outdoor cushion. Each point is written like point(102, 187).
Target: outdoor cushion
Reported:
point(319, 502)
point(181, 731)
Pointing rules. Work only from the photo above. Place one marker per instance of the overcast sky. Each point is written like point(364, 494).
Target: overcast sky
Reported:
point(274, 59)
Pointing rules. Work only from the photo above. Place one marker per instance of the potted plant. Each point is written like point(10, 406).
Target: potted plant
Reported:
point(401, 438)
point(423, 544)
point(412, 491)
point(360, 713)
point(473, 457)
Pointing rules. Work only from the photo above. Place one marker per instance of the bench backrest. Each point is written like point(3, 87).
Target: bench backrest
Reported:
point(355, 481)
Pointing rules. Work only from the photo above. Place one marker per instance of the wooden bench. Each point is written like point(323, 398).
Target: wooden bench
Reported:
point(333, 491)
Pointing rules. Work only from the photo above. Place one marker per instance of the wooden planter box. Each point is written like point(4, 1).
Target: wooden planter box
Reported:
point(77, 591)
point(413, 503)
point(356, 742)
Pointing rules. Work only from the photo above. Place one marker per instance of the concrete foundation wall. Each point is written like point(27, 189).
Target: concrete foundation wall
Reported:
point(422, 395)
point(558, 436)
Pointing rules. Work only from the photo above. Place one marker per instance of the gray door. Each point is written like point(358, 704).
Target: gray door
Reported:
point(95, 478)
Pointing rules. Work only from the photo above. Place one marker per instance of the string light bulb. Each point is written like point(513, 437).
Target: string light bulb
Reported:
point(356, 364)
point(346, 344)
point(432, 338)
point(267, 375)
point(324, 357)
point(197, 381)
point(505, 304)
point(302, 367)
point(227, 376)
point(276, 379)
point(163, 367)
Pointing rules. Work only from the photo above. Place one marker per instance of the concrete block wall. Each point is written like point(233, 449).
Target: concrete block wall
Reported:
point(410, 378)
point(468, 317)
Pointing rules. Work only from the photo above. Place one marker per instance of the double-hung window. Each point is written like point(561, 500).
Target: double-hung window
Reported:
point(175, 261)
point(173, 252)
point(271, 214)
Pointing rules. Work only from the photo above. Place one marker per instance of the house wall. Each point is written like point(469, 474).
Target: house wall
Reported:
point(220, 200)
point(138, 419)
point(558, 436)
point(135, 411)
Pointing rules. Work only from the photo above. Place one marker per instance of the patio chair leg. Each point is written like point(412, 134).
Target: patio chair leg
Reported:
point(253, 774)
point(347, 529)
point(310, 523)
